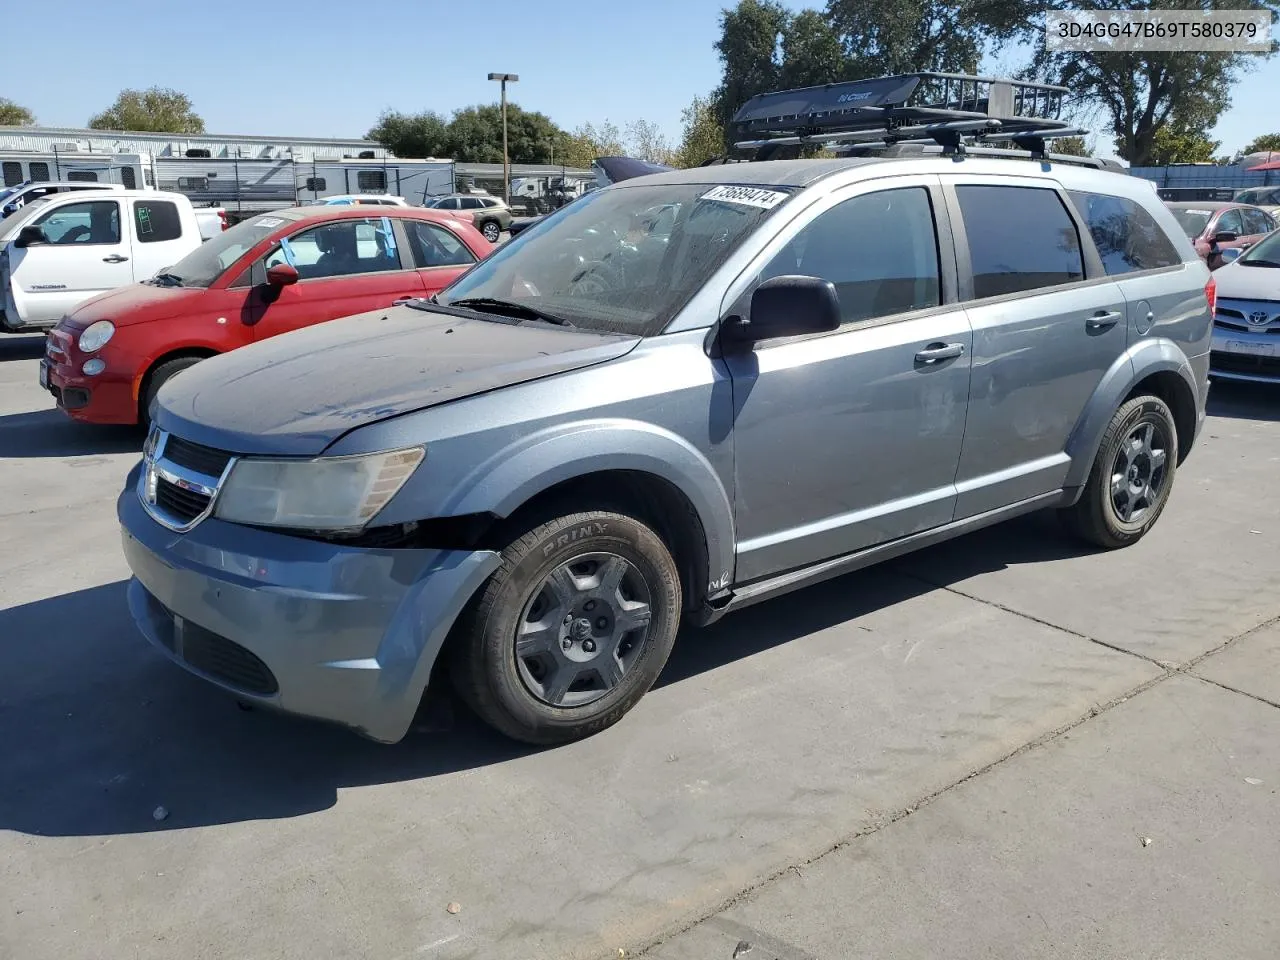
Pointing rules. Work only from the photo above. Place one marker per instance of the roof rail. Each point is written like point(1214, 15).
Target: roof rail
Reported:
point(950, 109)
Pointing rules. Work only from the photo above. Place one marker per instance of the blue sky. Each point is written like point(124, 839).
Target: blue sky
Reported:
point(328, 68)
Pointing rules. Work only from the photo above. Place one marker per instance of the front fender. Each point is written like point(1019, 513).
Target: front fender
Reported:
point(512, 477)
point(1141, 360)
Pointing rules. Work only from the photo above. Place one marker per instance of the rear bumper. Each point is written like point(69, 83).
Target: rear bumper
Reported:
point(334, 633)
point(1244, 355)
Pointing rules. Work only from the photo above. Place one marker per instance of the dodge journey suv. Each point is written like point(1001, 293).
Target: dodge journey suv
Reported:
point(673, 398)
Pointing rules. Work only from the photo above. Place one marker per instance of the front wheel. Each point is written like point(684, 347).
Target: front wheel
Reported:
point(572, 630)
point(1131, 478)
point(156, 380)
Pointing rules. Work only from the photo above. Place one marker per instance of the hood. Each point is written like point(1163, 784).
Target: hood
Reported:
point(1238, 282)
point(295, 394)
point(136, 303)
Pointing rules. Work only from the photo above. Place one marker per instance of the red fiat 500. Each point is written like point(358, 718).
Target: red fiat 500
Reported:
point(274, 273)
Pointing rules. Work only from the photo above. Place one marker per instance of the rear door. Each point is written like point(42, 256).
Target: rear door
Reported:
point(161, 235)
point(438, 252)
point(87, 252)
point(1046, 327)
point(345, 267)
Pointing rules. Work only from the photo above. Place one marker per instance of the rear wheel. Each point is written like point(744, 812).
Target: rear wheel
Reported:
point(572, 630)
point(156, 380)
point(491, 230)
point(1131, 478)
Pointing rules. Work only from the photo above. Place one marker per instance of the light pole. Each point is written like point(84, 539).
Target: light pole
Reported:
point(506, 159)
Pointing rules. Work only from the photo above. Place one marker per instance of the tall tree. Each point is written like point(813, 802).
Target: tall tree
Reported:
point(1175, 144)
point(750, 35)
point(645, 141)
point(475, 135)
point(15, 115)
point(589, 141)
point(412, 134)
point(811, 52)
point(703, 136)
point(1266, 143)
point(156, 109)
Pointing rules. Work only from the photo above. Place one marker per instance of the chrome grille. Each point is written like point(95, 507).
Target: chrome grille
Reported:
point(180, 479)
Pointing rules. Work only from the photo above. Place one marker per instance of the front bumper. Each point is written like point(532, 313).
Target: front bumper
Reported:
point(336, 633)
point(1238, 354)
point(106, 398)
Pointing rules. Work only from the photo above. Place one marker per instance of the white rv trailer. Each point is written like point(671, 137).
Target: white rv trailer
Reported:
point(127, 169)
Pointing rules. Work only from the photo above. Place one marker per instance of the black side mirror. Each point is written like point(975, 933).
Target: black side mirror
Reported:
point(789, 307)
point(30, 237)
point(1225, 236)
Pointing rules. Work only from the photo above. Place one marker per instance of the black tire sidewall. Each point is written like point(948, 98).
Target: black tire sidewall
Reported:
point(1155, 410)
point(159, 377)
point(520, 713)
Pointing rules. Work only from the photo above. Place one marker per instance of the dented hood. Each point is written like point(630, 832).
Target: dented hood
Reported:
point(297, 393)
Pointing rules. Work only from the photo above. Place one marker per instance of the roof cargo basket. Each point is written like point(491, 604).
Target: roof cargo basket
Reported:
point(950, 109)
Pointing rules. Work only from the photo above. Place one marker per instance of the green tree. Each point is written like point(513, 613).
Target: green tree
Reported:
point(1071, 147)
point(15, 115)
point(811, 52)
point(703, 136)
point(580, 148)
point(412, 134)
point(1172, 144)
point(475, 135)
point(1266, 143)
point(750, 35)
point(156, 109)
point(645, 141)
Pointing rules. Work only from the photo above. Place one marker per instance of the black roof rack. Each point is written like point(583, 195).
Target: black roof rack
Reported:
point(950, 109)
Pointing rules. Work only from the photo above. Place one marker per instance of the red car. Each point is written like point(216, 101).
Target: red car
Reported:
point(274, 273)
point(1202, 221)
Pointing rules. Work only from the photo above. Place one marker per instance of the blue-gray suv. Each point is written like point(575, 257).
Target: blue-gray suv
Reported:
point(674, 398)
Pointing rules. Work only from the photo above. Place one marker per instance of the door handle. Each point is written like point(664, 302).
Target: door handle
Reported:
point(1103, 320)
point(404, 300)
point(937, 352)
point(114, 258)
point(1245, 246)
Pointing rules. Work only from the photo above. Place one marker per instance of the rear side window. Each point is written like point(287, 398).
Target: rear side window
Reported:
point(1127, 237)
point(1258, 221)
point(1020, 238)
point(156, 221)
point(880, 250)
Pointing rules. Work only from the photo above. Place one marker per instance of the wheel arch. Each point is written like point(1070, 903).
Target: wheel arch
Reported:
point(143, 381)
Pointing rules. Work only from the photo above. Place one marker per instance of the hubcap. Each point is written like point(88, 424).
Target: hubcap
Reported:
point(1139, 473)
point(583, 629)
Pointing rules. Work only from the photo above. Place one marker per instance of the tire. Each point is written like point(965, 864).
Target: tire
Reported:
point(565, 682)
point(491, 230)
point(1121, 468)
point(157, 379)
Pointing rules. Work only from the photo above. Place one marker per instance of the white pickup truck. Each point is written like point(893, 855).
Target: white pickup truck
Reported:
point(65, 248)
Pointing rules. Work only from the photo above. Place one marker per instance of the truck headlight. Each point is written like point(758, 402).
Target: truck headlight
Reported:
point(328, 493)
point(95, 336)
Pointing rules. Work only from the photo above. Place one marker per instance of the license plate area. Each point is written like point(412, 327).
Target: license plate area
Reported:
point(1251, 349)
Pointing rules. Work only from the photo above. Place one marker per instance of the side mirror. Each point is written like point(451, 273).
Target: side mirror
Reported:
point(789, 307)
point(1224, 236)
point(1230, 255)
point(30, 237)
point(281, 275)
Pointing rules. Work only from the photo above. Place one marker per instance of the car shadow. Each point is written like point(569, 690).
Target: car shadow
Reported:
point(1241, 400)
point(103, 729)
point(21, 346)
point(48, 433)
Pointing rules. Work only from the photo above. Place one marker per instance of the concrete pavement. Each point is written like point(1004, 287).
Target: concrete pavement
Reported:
point(1009, 670)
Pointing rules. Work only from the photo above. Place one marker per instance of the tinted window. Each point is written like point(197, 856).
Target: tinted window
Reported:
point(1257, 221)
point(39, 170)
point(880, 250)
point(316, 184)
point(12, 172)
point(1127, 237)
point(1020, 238)
point(434, 246)
point(94, 221)
point(157, 221)
point(371, 180)
point(127, 178)
point(340, 249)
point(1230, 222)
point(1192, 222)
point(84, 176)
point(471, 203)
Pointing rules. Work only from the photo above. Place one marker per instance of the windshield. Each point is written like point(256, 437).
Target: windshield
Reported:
point(624, 259)
point(1264, 253)
point(1192, 222)
point(202, 266)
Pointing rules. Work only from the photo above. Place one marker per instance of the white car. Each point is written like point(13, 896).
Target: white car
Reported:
point(1246, 328)
point(15, 198)
point(370, 199)
point(68, 247)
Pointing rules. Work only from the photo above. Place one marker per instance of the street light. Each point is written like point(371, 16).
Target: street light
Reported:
point(506, 160)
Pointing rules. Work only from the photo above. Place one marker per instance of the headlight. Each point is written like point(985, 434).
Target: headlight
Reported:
point(96, 335)
point(329, 493)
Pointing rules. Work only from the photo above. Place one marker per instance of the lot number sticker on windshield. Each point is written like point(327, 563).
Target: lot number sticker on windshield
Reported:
point(747, 196)
point(270, 222)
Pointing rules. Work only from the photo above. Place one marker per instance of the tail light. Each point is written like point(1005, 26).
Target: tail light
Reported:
point(1211, 294)
point(222, 215)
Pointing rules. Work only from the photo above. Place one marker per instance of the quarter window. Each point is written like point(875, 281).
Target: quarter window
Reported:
point(1020, 238)
point(434, 246)
point(340, 249)
point(880, 250)
point(1127, 237)
point(91, 222)
point(156, 221)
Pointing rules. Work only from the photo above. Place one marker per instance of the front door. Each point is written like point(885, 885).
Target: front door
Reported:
point(86, 253)
point(1044, 333)
point(851, 438)
point(346, 267)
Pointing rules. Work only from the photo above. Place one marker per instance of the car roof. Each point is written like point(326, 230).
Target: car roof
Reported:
point(321, 213)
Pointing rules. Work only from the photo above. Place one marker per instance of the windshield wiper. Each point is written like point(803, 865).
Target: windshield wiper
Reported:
point(167, 280)
point(509, 308)
point(1259, 263)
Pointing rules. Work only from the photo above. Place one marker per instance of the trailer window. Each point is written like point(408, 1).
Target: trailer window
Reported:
point(371, 180)
point(83, 176)
point(39, 170)
point(12, 173)
point(128, 179)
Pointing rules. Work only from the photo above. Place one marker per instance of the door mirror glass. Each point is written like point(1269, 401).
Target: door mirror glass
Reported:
point(30, 237)
point(1224, 236)
point(281, 275)
point(1230, 254)
point(790, 306)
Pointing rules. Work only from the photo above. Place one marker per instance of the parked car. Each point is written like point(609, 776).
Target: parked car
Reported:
point(273, 273)
point(1266, 198)
point(1232, 225)
point(490, 215)
point(365, 199)
point(61, 250)
point(15, 198)
point(1246, 334)
point(807, 367)
point(608, 170)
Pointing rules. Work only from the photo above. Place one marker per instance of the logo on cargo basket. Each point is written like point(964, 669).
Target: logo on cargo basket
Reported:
point(1258, 318)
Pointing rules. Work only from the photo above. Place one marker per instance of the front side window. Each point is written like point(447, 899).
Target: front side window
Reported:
point(1020, 238)
point(880, 250)
point(91, 222)
point(434, 246)
point(1230, 222)
point(1126, 236)
point(156, 221)
point(344, 248)
point(204, 265)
